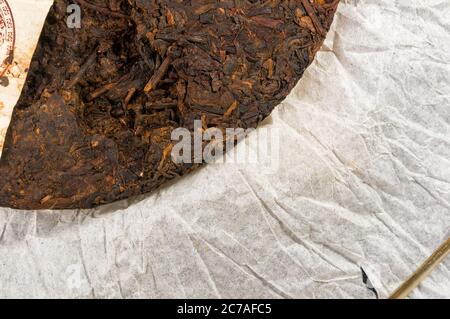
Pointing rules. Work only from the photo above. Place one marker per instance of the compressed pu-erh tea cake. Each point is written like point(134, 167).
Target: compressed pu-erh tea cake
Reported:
point(93, 124)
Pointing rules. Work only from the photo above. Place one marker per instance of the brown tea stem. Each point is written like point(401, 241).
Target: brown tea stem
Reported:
point(90, 60)
point(103, 10)
point(312, 14)
point(157, 77)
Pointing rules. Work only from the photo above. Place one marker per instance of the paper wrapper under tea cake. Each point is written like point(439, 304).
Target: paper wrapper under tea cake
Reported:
point(364, 183)
point(29, 17)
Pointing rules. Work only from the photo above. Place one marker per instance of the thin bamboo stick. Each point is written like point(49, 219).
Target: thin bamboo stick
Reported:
point(423, 272)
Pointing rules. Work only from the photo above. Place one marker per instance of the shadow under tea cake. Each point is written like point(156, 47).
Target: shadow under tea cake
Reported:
point(94, 121)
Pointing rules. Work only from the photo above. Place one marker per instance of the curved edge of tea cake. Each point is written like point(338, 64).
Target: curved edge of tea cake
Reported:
point(63, 152)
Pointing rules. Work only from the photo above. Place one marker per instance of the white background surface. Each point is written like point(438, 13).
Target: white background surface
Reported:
point(363, 182)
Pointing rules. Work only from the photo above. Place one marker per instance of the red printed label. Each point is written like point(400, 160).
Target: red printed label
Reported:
point(7, 36)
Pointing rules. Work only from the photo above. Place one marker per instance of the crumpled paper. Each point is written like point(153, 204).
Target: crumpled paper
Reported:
point(362, 186)
point(28, 17)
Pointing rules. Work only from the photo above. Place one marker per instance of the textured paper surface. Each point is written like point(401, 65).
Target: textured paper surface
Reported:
point(363, 183)
point(29, 16)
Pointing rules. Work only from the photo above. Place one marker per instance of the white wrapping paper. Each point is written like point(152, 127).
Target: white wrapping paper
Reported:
point(363, 183)
point(27, 17)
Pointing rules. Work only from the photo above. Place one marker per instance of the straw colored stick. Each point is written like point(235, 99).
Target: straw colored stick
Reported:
point(424, 271)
